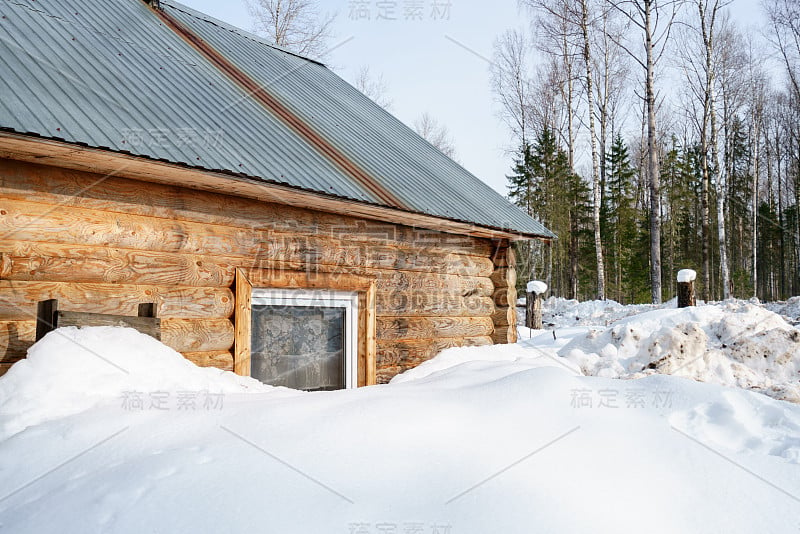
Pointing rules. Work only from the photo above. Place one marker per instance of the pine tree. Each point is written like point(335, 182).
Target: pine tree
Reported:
point(618, 215)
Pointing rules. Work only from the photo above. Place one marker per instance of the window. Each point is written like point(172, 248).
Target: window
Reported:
point(304, 339)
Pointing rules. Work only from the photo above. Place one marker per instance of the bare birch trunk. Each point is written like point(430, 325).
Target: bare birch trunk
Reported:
point(598, 243)
point(652, 160)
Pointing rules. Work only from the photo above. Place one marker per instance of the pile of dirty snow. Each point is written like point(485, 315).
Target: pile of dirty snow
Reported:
point(790, 309)
point(733, 343)
point(483, 440)
point(72, 369)
point(559, 312)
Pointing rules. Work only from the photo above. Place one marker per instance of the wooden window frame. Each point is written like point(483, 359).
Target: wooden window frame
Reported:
point(364, 286)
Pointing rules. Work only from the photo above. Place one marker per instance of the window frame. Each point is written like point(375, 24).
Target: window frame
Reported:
point(327, 298)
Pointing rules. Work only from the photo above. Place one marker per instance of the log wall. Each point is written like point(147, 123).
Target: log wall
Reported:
point(104, 244)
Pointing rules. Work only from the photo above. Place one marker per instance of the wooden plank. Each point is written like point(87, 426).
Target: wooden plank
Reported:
point(219, 359)
point(146, 325)
point(370, 336)
point(60, 154)
point(18, 299)
point(4, 367)
point(409, 328)
point(35, 222)
point(198, 335)
point(242, 324)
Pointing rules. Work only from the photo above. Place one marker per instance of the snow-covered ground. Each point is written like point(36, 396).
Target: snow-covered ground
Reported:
point(106, 430)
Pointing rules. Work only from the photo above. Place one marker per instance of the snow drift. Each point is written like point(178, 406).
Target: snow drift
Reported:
point(73, 369)
point(498, 443)
point(732, 343)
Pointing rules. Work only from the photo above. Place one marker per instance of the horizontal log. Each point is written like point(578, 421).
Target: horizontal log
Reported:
point(182, 335)
point(410, 328)
point(18, 300)
point(504, 277)
point(504, 316)
point(504, 334)
point(385, 280)
point(4, 367)
point(26, 260)
point(16, 337)
point(25, 181)
point(146, 325)
point(197, 335)
point(408, 354)
point(35, 222)
point(505, 297)
point(36, 261)
point(219, 359)
point(504, 256)
point(401, 303)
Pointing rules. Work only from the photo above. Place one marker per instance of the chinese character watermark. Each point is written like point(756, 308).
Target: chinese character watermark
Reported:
point(614, 398)
point(138, 401)
point(404, 527)
point(400, 10)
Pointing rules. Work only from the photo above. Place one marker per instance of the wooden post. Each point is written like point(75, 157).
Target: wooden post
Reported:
point(533, 311)
point(533, 304)
point(46, 317)
point(241, 318)
point(148, 309)
point(686, 295)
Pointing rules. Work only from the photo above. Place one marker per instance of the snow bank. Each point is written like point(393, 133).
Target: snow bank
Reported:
point(72, 369)
point(490, 445)
point(686, 275)
point(732, 343)
point(458, 356)
point(561, 313)
point(790, 309)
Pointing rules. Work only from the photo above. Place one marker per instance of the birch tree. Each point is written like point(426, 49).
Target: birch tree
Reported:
point(653, 19)
point(299, 26)
point(596, 197)
point(436, 134)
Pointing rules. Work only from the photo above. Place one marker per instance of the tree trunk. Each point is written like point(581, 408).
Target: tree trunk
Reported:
point(652, 161)
point(598, 243)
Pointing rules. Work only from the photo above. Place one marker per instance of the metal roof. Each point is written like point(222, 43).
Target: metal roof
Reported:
point(112, 74)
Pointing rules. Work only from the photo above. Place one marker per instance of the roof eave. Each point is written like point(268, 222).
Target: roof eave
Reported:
point(60, 153)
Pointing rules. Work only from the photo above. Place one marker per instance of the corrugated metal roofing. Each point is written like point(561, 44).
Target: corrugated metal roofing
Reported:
point(111, 74)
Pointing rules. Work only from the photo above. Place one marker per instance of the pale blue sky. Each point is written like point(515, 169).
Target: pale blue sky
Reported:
point(425, 70)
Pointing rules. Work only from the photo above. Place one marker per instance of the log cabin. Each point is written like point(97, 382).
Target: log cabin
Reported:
point(287, 227)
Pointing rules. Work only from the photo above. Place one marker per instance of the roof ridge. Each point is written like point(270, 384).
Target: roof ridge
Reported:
point(199, 15)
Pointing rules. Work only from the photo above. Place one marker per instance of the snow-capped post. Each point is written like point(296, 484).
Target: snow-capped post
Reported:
point(686, 296)
point(533, 304)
